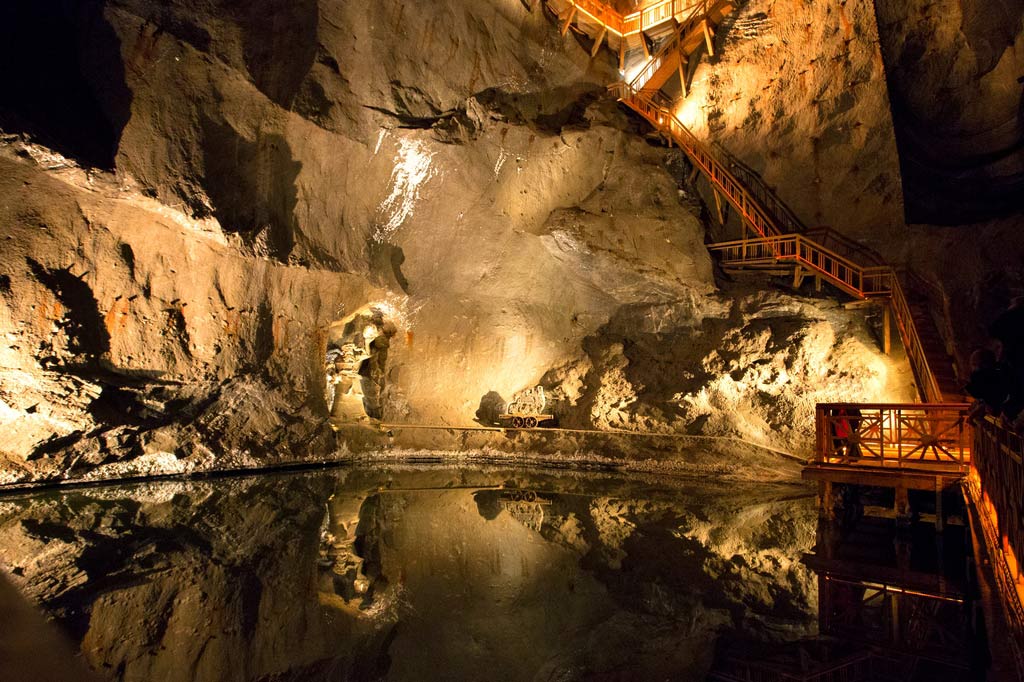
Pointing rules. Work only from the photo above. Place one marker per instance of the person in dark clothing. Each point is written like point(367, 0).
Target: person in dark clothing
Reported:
point(990, 381)
point(1008, 330)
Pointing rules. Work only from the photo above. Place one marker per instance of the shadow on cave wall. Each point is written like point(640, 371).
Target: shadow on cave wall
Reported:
point(279, 44)
point(86, 331)
point(956, 169)
point(64, 80)
point(251, 184)
point(942, 186)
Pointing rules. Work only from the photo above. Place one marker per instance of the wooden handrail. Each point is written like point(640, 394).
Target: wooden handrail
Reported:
point(900, 435)
point(716, 172)
point(874, 281)
point(637, 22)
point(603, 15)
point(854, 279)
point(996, 486)
point(697, 12)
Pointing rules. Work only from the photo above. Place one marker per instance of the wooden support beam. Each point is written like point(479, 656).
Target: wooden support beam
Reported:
point(682, 75)
point(693, 175)
point(887, 329)
point(798, 277)
point(902, 506)
point(940, 522)
point(597, 43)
point(568, 21)
point(826, 502)
point(643, 44)
point(709, 37)
point(718, 207)
point(817, 283)
point(622, 53)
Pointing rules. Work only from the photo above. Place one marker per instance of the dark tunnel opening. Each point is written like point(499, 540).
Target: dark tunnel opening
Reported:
point(66, 90)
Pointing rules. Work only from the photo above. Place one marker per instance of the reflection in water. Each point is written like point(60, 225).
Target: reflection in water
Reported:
point(414, 573)
point(894, 602)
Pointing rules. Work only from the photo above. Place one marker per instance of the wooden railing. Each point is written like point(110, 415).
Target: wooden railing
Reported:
point(897, 435)
point(695, 13)
point(849, 276)
point(861, 667)
point(717, 173)
point(996, 486)
point(863, 282)
point(637, 22)
point(782, 216)
point(605, 16)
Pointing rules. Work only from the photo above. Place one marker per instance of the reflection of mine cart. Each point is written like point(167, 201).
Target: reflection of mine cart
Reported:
point(527, 410)
point(525, 506)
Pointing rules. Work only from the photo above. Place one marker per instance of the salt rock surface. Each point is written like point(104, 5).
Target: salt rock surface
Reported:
point(275, 171)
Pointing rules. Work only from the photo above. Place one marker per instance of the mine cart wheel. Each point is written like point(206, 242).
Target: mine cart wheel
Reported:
point(531, 422)
point(517, 422)
point(530, 496)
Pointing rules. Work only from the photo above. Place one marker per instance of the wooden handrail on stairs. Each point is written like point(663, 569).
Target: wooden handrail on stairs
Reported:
point(864, 282)
point(871, 282)
point(720, 177)
point(773, 225)
point(696, 13)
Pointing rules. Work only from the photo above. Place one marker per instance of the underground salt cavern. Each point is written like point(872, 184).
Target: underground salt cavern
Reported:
point(511, 340)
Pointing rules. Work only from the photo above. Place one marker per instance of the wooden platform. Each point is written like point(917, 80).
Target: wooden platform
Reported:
point(935, 477)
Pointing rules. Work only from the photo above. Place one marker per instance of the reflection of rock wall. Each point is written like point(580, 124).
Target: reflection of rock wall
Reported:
point(391, 572)
point(187, 582)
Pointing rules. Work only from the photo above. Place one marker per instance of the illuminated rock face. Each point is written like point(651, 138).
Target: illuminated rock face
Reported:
point(280, 166)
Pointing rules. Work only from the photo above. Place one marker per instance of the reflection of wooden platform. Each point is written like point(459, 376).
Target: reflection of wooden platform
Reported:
point(889, 578)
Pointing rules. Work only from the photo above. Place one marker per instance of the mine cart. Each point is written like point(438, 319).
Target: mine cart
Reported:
point(525, 506)
point(527, 411)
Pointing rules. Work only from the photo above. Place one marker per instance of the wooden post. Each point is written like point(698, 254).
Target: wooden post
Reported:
point(798, 277)
point(817, 283)
point(682, 74)
point(887, 329)
point(709, 35)
point(643, 44)
point(902, 506)
point(568, 21)
point(718, 207)
point(939, 522)
point(622, 53)
point(597, 43)
point(826, 503)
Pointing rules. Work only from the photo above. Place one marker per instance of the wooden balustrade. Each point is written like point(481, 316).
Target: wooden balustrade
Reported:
point(721, 179)
point(997, 486)
point(634, 23)
point(894, 435)
point(862, 282)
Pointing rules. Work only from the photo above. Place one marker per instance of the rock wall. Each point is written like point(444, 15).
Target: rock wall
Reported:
point(797, 92)
point(274, 170)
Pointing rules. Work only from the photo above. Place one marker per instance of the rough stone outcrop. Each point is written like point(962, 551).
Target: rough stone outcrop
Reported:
point(453, 167)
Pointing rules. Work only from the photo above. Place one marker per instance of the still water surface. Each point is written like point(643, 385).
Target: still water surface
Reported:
point(412, 573)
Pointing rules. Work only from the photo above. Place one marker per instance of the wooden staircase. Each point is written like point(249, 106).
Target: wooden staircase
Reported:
point(843, 263)
point(696, 30)
point(779, 240)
